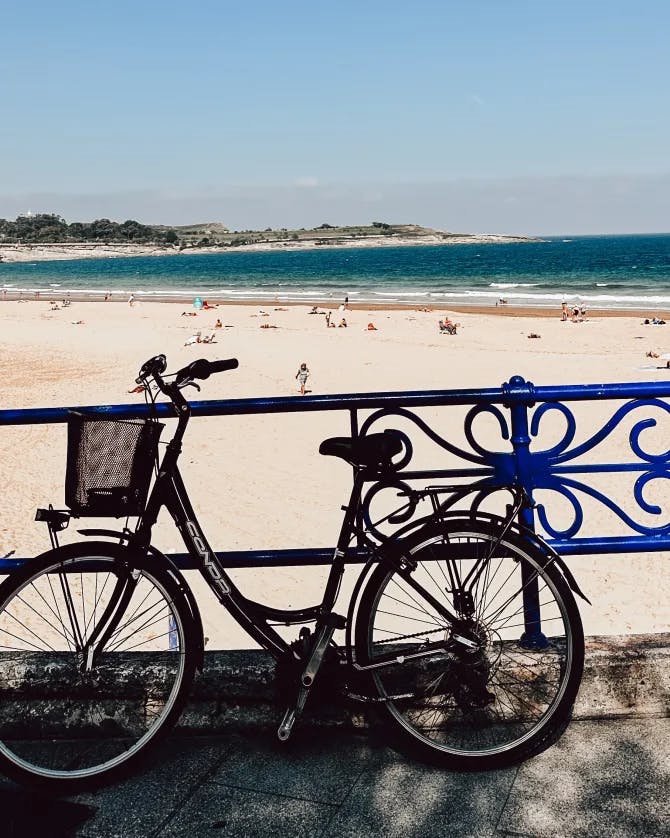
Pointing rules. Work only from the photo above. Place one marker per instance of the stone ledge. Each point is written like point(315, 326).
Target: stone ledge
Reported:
point(624, 677)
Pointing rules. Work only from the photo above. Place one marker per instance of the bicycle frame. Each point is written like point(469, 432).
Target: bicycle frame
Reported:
point(255, 617)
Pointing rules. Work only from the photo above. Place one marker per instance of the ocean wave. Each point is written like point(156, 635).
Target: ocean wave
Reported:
point(514, 285)
point(521, 294)
point(402, 294)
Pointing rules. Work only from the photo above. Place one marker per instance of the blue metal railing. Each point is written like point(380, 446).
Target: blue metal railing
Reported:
point(519, 408)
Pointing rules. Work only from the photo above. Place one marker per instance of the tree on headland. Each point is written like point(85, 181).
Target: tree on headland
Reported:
point(49, 228)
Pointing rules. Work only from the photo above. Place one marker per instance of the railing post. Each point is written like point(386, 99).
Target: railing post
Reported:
point(533, 637)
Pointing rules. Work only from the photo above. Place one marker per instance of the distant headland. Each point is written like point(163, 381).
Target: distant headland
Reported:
point(43, 237)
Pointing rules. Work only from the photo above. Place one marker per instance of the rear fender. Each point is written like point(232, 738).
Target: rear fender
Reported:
point(539, 542)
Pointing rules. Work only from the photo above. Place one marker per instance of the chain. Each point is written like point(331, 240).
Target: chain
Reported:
point(409, 636)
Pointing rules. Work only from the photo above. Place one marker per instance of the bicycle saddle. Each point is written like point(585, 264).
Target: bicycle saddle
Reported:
point(374, 451)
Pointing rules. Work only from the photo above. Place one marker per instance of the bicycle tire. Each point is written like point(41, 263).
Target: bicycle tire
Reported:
point(483, 709)
point(73, 719)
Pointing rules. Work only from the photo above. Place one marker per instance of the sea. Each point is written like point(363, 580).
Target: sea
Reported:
point(607, 272)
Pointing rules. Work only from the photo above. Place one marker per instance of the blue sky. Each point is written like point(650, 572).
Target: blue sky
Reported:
point(518, 117)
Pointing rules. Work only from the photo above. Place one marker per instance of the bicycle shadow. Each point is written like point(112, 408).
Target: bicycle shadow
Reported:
point(28, 814)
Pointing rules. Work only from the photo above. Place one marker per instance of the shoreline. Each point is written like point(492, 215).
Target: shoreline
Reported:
point(506, 310)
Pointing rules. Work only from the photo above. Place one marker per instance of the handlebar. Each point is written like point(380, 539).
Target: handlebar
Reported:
point(200, 369)
point(203, 368)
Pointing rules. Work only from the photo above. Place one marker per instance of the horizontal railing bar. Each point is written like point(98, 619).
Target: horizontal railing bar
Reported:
point(358, 401)
point(306, 557)
point(515, 392)
point(603, 467)
point(610, 544)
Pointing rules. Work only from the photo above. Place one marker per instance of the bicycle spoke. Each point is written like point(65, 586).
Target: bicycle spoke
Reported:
point(94, 716)
point(490, 697)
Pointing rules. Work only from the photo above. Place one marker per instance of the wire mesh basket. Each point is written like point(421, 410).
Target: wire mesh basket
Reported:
point(109, 464)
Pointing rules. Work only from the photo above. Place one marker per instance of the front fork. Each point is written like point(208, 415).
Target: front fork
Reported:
point(110, 619)
point(91, 648)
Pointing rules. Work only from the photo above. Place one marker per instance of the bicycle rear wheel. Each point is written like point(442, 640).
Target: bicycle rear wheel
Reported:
point(506, 691)
point(95, 665)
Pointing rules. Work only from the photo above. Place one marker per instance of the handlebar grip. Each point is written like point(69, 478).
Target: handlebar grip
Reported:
point(203, 368)
point(222, 366)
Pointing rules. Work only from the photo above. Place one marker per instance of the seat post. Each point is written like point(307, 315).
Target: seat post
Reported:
point(344, 538)
point(351, 510)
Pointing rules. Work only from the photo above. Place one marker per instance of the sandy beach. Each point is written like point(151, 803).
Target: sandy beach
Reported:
point(259, 481)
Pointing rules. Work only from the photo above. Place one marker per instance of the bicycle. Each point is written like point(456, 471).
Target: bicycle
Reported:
point(462, 635)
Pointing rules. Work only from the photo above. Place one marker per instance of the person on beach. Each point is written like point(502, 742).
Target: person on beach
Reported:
point(302, 375)
point(564, 311)
point(131, 300)
point(372, 327)
point(218, 324)
point(342, 324)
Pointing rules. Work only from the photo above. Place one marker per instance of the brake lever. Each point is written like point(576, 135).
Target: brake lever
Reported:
point(190, 384)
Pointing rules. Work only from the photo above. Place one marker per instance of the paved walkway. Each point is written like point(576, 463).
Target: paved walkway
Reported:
point(604, 778)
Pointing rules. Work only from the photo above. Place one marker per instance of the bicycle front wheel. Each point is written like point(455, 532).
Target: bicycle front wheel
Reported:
point(94, 665)
point(474, 645)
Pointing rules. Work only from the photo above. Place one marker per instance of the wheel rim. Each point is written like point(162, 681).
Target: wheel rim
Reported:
point(482, 702)
point(60, 718)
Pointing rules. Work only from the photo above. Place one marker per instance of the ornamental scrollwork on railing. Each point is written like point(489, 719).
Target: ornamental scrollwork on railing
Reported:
point(551, 469)
point(488, 474)
point(478, 454)
point(552, 475)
